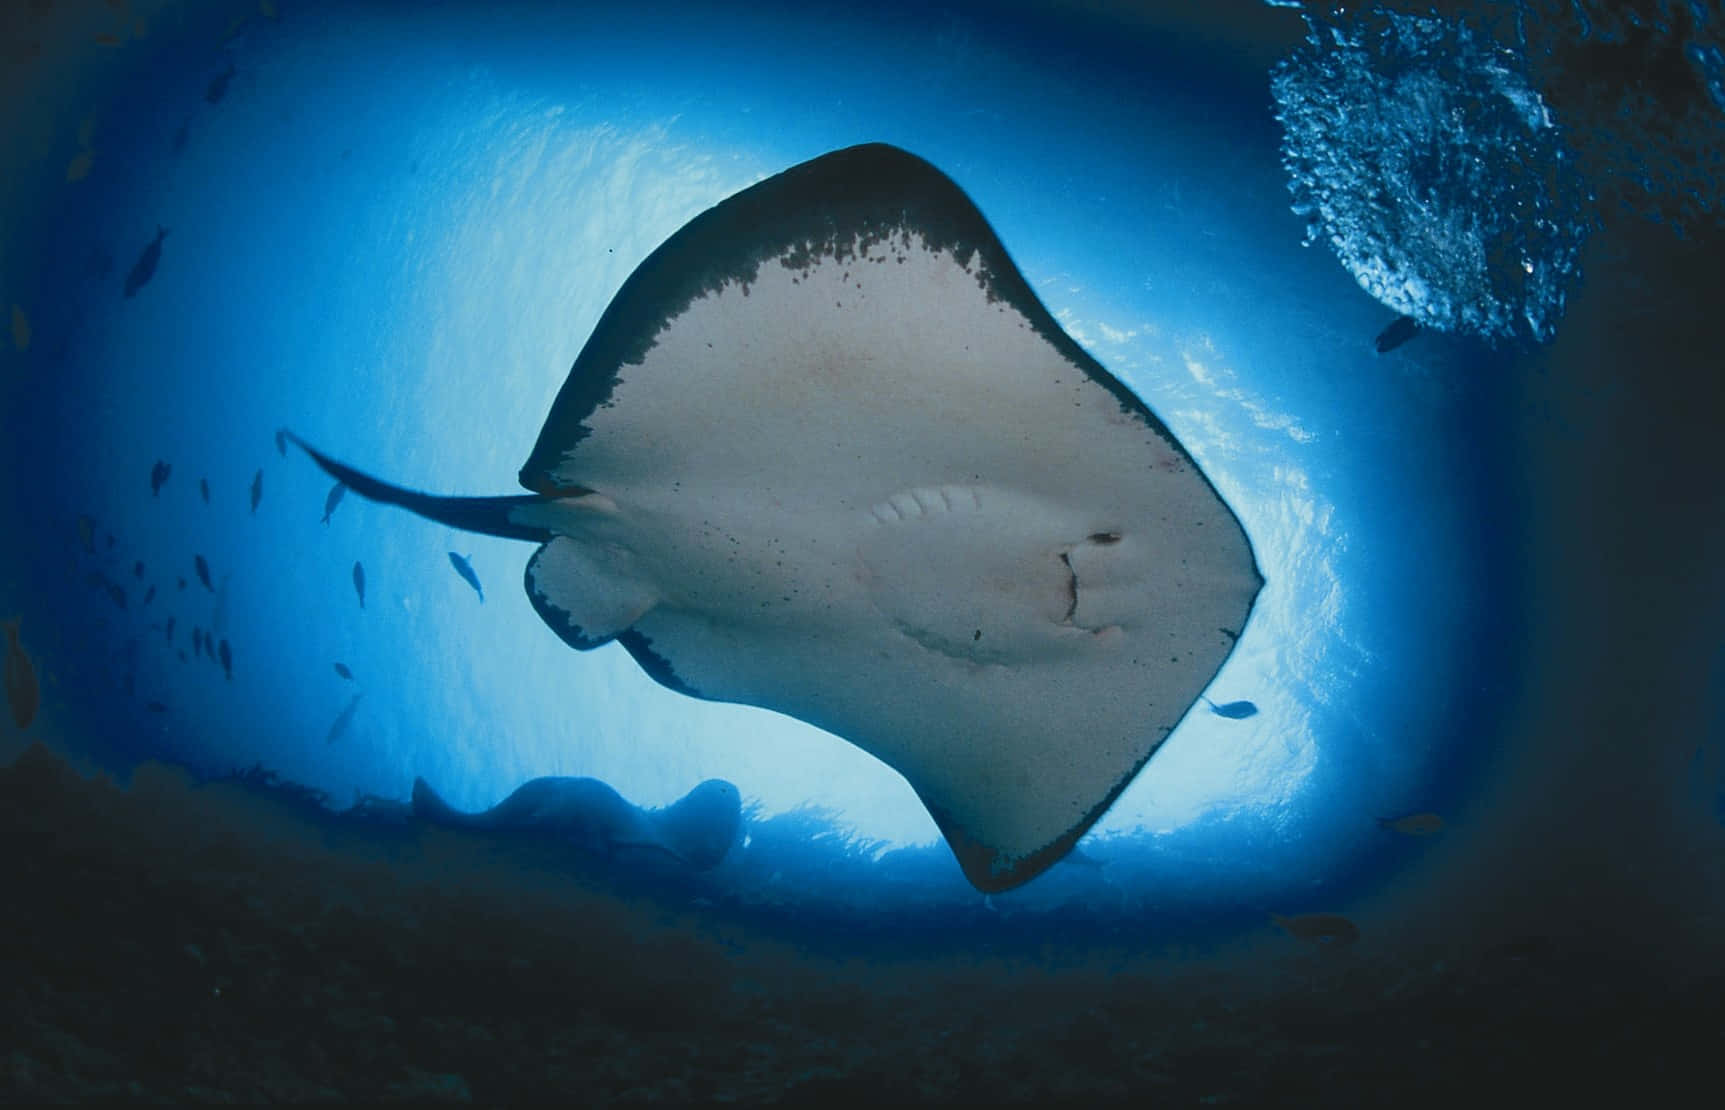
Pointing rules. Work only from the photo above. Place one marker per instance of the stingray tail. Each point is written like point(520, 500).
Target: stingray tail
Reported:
point(490, 516)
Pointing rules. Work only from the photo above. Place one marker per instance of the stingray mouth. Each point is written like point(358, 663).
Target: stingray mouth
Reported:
point(1077, 595)
point(1071, 589)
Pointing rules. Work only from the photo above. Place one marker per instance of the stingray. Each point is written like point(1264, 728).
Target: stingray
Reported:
point(698, 829)
point(826, 453)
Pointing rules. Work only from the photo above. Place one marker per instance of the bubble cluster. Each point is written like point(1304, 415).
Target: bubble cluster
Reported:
point(1419, 149)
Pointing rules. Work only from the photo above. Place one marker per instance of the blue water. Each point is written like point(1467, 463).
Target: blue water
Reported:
point(396, 228)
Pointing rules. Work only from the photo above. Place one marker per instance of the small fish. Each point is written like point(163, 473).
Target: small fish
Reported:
point(181, 582)
point(138, 569)
point(359, 582)
point(149, 595)
point(218, 87)
point(1401, 329)
point(79, 167)
point(87, 534)
point(22, 690)
point(108, 541)
point(204, 489)
point(336, 493)
point(465, 568)
point(159, 477)
point(181, 654)
point(341, 722)
point(203, 570)
point(1233, 710)
point(197, 640)
point(117, 594)
point(341, 669)
point(145, 268)
point(1414, 824)
point(227, 658)
point(168, 632)
point(20, 329)
point(257, 488)
point(1318, 928)
point(155, 707)
point(281, 442)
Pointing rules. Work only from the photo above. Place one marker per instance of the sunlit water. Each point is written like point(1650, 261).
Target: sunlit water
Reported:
point(392, 234)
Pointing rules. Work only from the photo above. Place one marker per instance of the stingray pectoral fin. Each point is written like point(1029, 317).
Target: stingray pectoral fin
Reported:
point(588, 593)
point(491, 516)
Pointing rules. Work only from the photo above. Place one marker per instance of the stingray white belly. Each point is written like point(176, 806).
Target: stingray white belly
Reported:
point(826, 453)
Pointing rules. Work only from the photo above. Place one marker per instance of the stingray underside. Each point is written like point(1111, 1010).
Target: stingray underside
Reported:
point(826, 453)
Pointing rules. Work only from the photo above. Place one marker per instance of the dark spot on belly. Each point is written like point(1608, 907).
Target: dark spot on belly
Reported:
point(1104, 537)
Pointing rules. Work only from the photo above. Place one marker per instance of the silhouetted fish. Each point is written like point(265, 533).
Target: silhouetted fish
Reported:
point(227, 658)
point(159, 476)
point(257, 489)
point(87, 534)
point(138, 569)
point(218, 87)
point(1402, 329)
point(204, 489)
point(23, 693)
point(168, 633)
point(465, 569)
point(203, 570)
point(341, 669)
point(117, 594)
point(197, 640)
point(145, 268)
point(181, 582)
point(281, 442)
point(359, 583)
point(149, 595)
point(1413, 824)
point(1233, 710)
point(336, 493)
point(155, 707)
point(341, 722)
